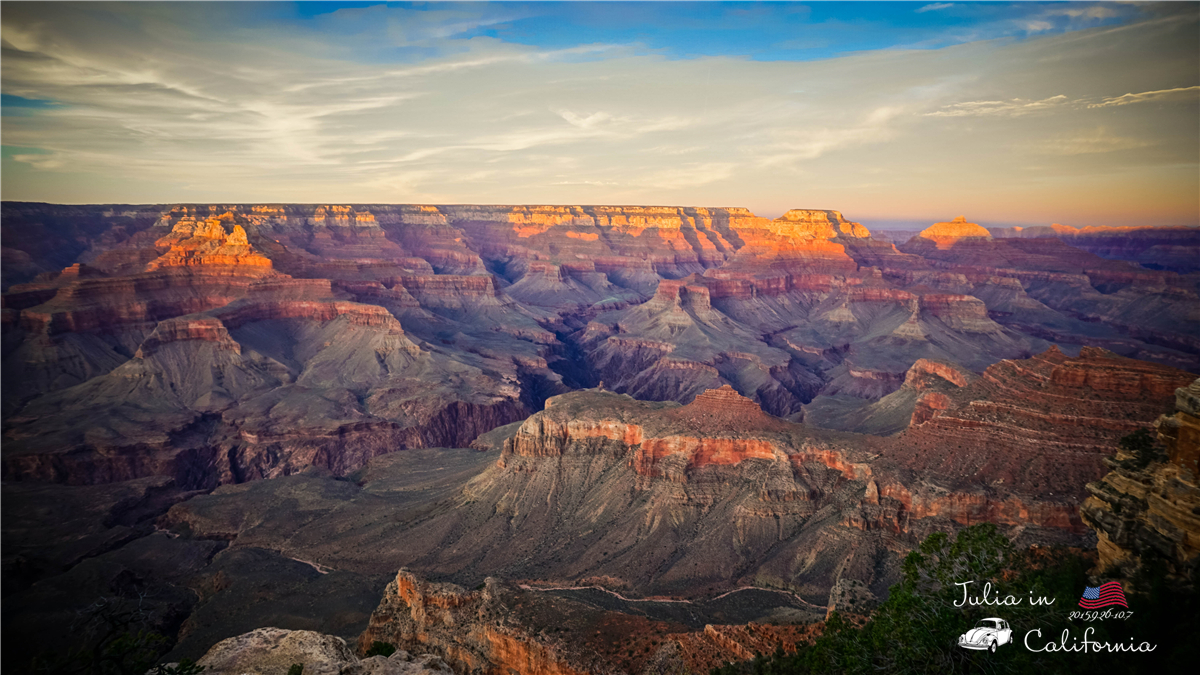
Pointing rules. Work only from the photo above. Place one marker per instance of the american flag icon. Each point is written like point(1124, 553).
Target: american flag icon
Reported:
point(1103, 596)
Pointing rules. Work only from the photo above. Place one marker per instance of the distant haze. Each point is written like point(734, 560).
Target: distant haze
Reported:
point(896, 114)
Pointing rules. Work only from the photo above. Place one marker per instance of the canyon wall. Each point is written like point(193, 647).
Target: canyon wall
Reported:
point(1145, 510)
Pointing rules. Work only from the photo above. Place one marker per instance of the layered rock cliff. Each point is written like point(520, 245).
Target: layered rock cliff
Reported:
point(1037, 429)
point(210, 367)
point(505, 306)
point(1146, 510)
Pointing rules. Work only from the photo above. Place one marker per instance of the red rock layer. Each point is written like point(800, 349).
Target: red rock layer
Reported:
point(92, 304)
point(239, 314)
point(715, 646)
point(1015, 445)
point(179, 330)
point(1037, 427)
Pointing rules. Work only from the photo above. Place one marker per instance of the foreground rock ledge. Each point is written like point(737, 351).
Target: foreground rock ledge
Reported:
point(273, 651)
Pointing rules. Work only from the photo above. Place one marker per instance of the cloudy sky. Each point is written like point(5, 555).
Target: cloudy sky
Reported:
point(894, 113)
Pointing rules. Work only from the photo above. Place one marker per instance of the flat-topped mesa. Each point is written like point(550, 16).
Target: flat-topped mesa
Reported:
point(725, 400)
point(182, 329)
point(946, 234)
point(816, 224)
point(531, 220)
point(689, 292)
point(79, 271)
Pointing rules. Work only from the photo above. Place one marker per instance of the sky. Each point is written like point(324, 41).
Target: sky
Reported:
point(897, 114)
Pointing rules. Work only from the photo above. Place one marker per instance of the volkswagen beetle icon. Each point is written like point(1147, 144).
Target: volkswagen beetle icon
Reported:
point(987, 634)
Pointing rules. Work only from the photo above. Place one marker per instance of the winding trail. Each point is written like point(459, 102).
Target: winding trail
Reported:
point(315, 566)
point(799, 599)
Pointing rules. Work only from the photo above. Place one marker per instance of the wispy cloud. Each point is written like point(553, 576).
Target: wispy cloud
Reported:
point(934, 7)
point(45, 162)
point(1017, 106)
point(1176, 94)
point(1011, 108)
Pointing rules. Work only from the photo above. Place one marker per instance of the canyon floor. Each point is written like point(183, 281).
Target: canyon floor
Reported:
point(595, 439)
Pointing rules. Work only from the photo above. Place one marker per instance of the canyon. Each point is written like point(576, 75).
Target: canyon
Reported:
point(682, 433)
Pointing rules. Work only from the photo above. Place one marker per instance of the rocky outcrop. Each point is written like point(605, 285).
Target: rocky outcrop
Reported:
point(274, 651)
point(717, 645)
point(521, 630)
point(474, 631)
point(193, 243)
point(802, 223)
point(1147, 508)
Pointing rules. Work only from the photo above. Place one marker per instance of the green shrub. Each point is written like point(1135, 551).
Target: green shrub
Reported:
point(296, 669)
point(915, 630)
point(1143, 445)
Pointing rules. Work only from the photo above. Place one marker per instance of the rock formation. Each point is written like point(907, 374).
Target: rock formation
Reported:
point(506, 628)
point(1147, 509)
point(267, 651)
point(1036, 429)
point(523, 303)
point(945, 235)
point(477, 631)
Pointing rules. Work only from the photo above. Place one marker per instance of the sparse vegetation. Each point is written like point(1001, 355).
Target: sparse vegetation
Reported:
point(916, 629)
point(296, 669)
point(1143, 445)
point(380, 648)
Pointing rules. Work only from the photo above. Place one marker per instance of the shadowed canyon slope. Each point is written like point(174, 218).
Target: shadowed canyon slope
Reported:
point(693, 499)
